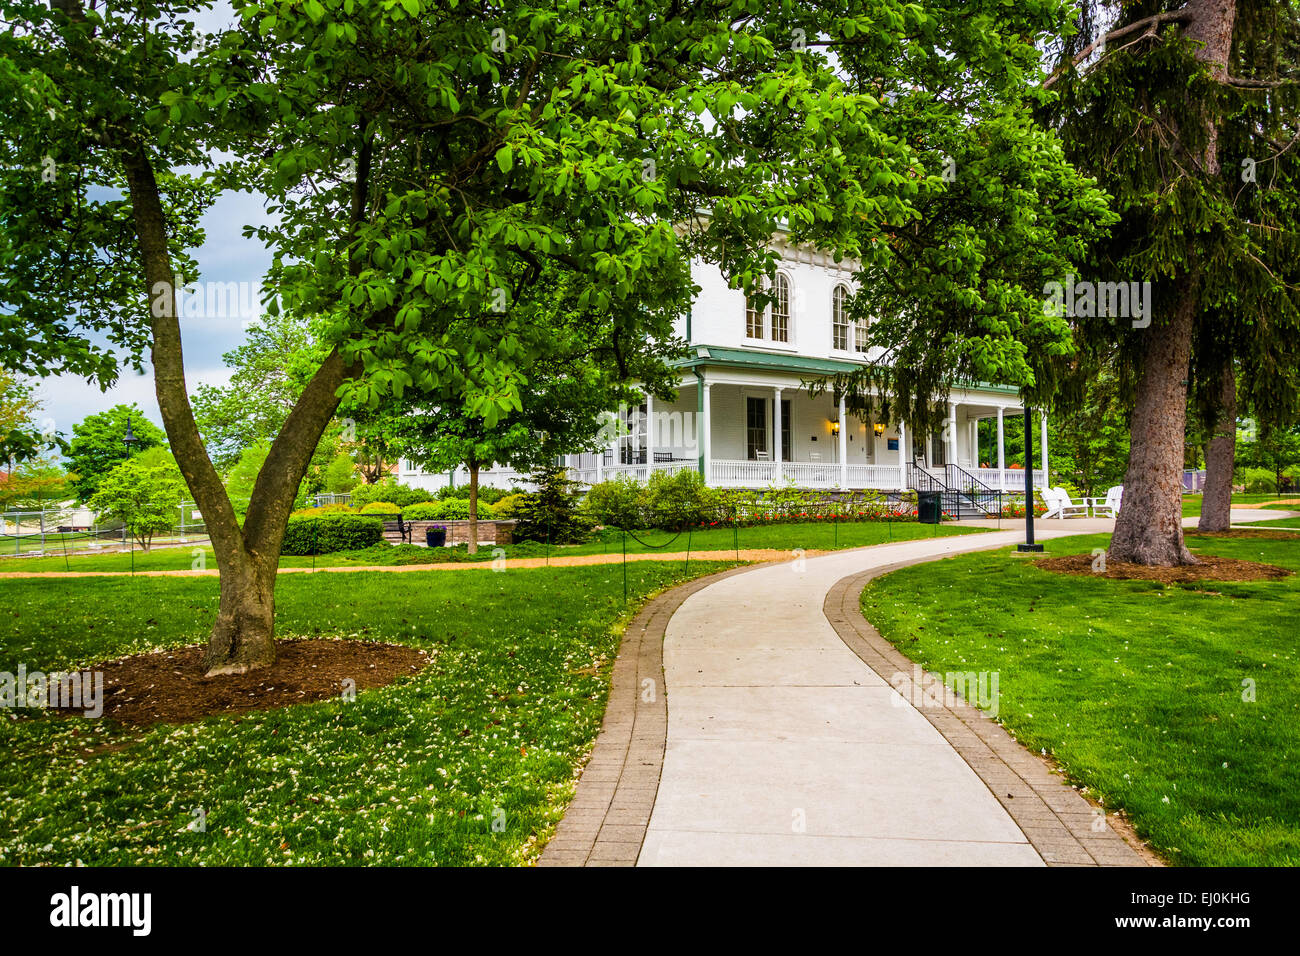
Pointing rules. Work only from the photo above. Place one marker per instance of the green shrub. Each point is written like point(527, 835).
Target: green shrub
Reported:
point(489, 495)
point(423, 511)
point(507, 507)
point(450, 509)
point(332, 532)
point(322, 510)
point(457, 509)
point(1257, 481)
point(390, 491)
point(381, 508)
point(675, 501)
point(618, 503)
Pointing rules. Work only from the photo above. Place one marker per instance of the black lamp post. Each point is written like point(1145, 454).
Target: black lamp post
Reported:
point(128, 440)
point(1029, 545)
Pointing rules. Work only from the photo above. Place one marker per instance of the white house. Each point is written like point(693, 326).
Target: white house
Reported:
point(744, 416)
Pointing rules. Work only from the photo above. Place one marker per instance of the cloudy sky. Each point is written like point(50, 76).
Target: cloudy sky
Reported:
point(226, 256)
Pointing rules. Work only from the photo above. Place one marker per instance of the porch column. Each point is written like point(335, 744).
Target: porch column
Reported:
point(1002, 455)
point(776, 432)
point(951, 451)
point(649, 435)
point(1046, 478)
point(902, 457)
point(844, 446)
point(706, 430)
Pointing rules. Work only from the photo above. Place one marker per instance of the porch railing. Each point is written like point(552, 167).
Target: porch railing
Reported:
point(874, 476)
point(967, 486)
point(1013, 479)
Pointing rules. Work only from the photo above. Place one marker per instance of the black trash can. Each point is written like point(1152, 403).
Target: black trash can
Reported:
point(927, 507)
point(435, 537)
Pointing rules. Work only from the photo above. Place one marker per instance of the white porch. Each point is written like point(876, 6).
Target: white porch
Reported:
point(747, 427)
point(756, 431)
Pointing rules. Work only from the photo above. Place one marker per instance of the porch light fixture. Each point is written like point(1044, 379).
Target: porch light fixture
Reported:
point(878, 428)
point(835, 426)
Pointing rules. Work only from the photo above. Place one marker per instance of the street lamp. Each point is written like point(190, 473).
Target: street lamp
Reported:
point(128, 440)
point(1029, 545)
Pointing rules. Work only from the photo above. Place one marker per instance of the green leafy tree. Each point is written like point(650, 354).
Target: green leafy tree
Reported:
point(97, 448)
point(145, 497)
point(1272, 447)
point(21, 437)
point(268, 373)
point(952, 293)
point(35, 484)
point(340, 475)
point(1186, 112)
point(1088, 442)
point(426, 164)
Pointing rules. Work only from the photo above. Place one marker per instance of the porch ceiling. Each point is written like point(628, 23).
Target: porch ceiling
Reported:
point(721, 356)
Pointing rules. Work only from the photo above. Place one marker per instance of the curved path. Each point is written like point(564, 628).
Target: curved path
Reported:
point(783, 746)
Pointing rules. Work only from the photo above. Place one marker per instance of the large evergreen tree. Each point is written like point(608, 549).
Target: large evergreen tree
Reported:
point(1187, 114)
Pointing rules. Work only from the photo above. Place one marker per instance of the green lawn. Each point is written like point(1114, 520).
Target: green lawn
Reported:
point(1192, 503)
point(1274, 522)
point(407, 774)
point(1136, 688)
point(811, 536)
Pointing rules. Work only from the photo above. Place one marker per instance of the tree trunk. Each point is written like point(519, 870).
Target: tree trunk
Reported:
point(473, 506)
point(244, 631)
point(1220, 458)
point(247, 555)
point(1149, 528)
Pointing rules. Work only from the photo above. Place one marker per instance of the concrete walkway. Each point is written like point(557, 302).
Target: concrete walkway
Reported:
point(783, 747)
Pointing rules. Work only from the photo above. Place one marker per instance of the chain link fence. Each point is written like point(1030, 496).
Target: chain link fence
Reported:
point(78, 531)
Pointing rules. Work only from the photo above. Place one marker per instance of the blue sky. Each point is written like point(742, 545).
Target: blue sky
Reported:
point(225, 256)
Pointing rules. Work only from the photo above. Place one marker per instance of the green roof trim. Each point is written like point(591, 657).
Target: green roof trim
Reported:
point(706, 355)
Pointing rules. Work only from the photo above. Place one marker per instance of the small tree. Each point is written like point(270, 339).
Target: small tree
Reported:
point(551, 512)
point(143, 497)
point(97, 448)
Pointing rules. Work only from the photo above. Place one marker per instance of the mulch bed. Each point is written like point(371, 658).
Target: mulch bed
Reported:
point(169, 686)
point(1210, 568)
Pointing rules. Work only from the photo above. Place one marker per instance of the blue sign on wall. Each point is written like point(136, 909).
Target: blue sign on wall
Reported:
point(893, 444)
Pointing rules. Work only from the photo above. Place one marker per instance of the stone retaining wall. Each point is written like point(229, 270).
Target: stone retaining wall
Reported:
point(490, 531)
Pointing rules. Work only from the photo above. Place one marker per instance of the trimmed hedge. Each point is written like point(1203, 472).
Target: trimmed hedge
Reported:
point(508, 506)
point(450, 509)
point(390, 491)
point(485, 493)
point(332, 532)
point(381, 508)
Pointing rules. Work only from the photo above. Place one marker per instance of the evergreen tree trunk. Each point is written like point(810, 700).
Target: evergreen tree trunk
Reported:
point(1220, 458)
point(1149, 528)
point(473, 505)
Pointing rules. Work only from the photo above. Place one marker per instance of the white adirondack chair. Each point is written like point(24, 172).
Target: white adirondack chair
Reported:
point(1109, 507)
point(1061, 505)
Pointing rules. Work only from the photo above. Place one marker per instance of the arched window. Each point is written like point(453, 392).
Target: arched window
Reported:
point(839, 320)
point(753, 320)
point(781, 309)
